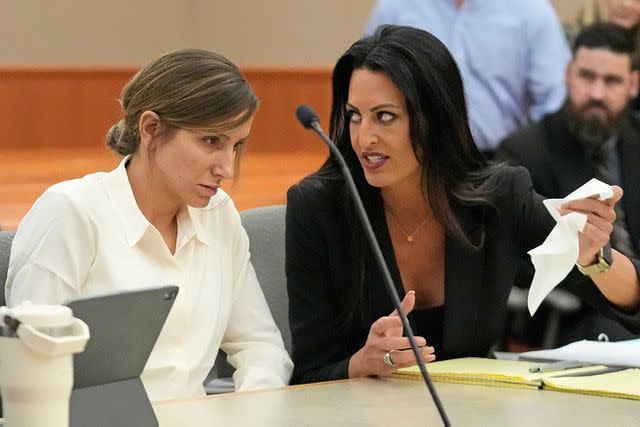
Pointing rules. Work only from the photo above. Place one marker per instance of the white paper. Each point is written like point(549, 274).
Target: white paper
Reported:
point(555, 258)
point(621, 353)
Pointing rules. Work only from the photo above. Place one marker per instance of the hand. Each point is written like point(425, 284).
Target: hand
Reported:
point(597, 230)
point(385, 335)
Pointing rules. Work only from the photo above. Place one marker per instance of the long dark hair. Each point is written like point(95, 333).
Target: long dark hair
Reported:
point(454, 172)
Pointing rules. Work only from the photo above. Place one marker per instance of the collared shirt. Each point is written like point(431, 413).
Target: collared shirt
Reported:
point(87, 236)
point(614, 160)
point(512, 55)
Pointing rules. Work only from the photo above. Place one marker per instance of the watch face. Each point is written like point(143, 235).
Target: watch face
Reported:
point(606, 253)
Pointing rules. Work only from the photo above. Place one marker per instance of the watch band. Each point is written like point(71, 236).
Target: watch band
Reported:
point(602, 265)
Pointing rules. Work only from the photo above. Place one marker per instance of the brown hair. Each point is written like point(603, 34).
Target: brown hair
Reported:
point(190, 89)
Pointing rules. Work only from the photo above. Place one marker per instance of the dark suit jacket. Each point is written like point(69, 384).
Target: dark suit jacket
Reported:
point(477, 282)
point(558, 164)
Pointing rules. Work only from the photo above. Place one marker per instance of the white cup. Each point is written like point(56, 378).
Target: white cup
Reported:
point(36, 365)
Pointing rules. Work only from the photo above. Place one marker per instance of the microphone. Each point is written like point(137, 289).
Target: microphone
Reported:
point(309, 119)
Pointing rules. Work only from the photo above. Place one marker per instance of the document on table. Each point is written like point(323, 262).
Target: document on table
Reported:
point(620, 353)
point(623, 384)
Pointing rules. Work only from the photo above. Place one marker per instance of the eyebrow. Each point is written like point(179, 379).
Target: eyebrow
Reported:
point(377, 107)
point(606, 76)
point(226, 136)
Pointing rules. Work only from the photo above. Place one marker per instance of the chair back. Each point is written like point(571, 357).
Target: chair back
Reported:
point(265, 227)
point(6, 237)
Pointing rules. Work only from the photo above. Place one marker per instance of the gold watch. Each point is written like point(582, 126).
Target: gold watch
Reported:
point(602, 264)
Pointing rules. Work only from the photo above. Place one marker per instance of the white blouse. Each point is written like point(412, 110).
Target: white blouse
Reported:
point(87, 236)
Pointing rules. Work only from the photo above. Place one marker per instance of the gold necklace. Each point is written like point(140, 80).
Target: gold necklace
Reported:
point(407, 235)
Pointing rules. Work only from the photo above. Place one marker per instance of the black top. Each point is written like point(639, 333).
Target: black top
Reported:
point(428, 323)
point(477, 282)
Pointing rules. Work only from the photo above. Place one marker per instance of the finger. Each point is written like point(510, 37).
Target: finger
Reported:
point(406, 358)
point(395, 331)
point(589, 206)
point(407, 303)
point(590, 241)
point(383, 325)
point(401, 343)
point(600, 223)
point(617, 195)
point(596, 235)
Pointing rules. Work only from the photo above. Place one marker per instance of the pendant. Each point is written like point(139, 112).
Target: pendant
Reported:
point(409, 238)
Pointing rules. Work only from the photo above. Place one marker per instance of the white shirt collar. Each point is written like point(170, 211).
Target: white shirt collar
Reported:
point(134, 223)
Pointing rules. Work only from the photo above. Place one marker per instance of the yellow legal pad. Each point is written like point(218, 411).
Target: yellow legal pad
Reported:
point(623, 384)
point(490, 372)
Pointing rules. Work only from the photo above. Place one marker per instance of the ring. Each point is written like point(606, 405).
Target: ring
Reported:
point(387, 359)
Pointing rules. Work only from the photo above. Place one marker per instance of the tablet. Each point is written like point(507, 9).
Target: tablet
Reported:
point(124, 327)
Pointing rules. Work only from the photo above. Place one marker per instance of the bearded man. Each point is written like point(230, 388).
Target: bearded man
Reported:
point(594, 134)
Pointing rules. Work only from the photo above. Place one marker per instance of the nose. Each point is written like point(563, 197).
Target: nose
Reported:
point(367, 133)
point(223, 164)
point(597, 89)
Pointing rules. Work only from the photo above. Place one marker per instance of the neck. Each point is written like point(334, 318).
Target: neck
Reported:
point(459, 3)
point(153, 198)
point(406, 201)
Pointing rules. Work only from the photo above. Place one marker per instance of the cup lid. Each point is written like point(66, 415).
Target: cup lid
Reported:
point(40, 315)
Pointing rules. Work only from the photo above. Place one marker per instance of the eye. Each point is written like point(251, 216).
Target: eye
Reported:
point(353, 116)
point(385, 116)
point(211, 140)
point(239, 144)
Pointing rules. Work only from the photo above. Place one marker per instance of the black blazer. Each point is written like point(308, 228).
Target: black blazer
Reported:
point(477, 282)
point(558, 164)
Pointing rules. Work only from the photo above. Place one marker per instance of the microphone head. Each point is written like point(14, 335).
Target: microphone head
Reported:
point(306, 115)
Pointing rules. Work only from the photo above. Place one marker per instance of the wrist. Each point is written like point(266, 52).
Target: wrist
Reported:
point(355, 365)
point(584, 261)
point(601, 263)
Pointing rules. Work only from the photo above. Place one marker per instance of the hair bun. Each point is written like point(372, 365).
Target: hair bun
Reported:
point(119, 141)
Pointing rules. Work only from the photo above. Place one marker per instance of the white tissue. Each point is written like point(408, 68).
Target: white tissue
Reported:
point(555, 258)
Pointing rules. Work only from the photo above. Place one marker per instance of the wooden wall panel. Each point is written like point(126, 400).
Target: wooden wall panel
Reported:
point(58, 107)
point(74, 107)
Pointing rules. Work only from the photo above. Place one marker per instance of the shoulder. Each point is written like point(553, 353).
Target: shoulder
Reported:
point(531, 135)
point(315, 193)
point(78, 189)
point(631, 124)
point(533, 9)
point(75, 195)
point(526, 146)
point(507, 184)
point(61, 213)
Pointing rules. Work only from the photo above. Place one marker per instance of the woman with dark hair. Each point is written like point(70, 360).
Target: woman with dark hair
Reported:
point(451, 226)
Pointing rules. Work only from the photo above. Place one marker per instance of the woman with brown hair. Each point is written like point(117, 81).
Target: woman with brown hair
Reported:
point(161, 217)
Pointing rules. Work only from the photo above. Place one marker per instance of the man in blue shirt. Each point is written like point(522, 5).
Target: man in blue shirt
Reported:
point(512, 55)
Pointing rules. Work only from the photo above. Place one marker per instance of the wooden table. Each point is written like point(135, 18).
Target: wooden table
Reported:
point(391, 402)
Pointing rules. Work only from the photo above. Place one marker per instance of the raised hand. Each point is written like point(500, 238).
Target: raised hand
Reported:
point(600, 219)
point(386, 336)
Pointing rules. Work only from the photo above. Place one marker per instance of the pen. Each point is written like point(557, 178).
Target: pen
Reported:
point(558, 366)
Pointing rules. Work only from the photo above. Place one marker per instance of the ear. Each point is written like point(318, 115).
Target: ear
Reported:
point(634, 82)
point(150, 127)
point(567, 72)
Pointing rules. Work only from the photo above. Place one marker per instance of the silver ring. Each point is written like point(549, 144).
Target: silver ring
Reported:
point(387, 359)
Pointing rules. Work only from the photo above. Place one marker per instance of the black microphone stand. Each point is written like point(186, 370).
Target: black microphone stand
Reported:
point(309, 120)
